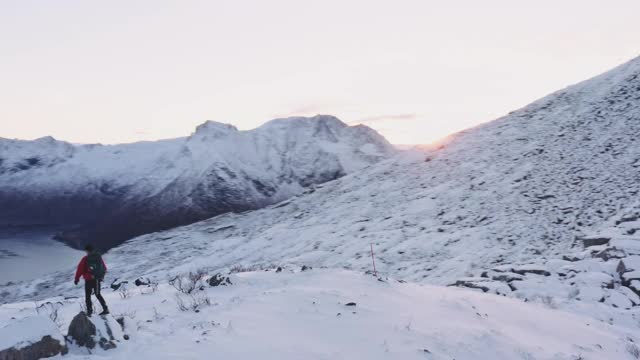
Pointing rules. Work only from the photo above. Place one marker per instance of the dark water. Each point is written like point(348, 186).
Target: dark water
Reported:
point(29, 252)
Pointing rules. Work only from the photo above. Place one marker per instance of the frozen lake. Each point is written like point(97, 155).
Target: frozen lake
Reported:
point(26, 253)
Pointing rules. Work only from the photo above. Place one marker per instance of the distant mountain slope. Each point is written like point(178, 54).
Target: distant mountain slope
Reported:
point(115, 192)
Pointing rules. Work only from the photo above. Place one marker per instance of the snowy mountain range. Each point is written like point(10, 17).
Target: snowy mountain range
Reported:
point(522, 189)
point(109, 193)
point(540, 205)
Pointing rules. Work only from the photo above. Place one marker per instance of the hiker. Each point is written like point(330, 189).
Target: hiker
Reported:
point(92, 268)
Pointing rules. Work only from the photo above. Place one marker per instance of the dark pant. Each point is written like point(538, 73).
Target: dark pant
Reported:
point(89, 287)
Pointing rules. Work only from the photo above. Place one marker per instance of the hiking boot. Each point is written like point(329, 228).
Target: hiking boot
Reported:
point(104, 312)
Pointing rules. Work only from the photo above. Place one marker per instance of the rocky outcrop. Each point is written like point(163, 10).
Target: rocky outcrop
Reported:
point(31, 339)
point(88, 332)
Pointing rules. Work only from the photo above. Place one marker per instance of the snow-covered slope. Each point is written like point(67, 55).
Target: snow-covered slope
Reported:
point(512, 196)
point(118, 191)
point(335, 314)
point(518, 188)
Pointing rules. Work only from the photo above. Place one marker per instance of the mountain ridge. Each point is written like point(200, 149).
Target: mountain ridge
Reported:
point(176, 181)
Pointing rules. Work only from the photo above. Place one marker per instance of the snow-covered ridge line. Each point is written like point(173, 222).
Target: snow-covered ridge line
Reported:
point(118, 191)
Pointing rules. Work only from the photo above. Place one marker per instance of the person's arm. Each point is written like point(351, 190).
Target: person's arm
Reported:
point(80, 270)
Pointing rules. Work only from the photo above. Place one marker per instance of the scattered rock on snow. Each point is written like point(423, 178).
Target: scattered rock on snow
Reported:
point(31, 338)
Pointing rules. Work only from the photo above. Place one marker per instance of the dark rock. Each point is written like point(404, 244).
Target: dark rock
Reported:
point(84, 332)
point(115, 285)
point(350, 304)
point(279, 269)
point(305, 268)
point(624, 219)
point(621, 268)
point(506, 277)
point(46, 347)
point(219, 280)
point(634, 286)
point(593, 241)
point(627, 277)
point(142, 282)
point(471, 285)
point(610, 253)
point(532, 271)
point(32, 348)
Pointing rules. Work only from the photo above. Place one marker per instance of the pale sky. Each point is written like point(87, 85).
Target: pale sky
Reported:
point(122, 71)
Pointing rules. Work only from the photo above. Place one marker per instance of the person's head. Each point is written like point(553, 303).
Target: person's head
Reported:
point(88, 249)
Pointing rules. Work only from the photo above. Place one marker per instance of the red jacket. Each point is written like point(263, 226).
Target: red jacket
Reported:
point(83, 270)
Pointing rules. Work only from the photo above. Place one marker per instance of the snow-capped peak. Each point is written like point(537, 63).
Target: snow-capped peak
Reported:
point(174, 182)
point(214, 129)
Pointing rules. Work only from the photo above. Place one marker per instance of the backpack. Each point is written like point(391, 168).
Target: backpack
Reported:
point(95, 265)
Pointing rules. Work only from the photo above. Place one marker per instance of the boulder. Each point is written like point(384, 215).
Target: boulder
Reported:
point(502, 268)
point(619, 300)
point(629, 276)
point(634, 285)
point(103, 331)
point(219, 280)
point(142, 282)
point(31, 338)
point(591, 294)
point(630, 294)
point(571, 258)
point(588, 241)
point(531, 269)
point(470, 285)
point(631, 263)
point(593, 278)
point(506, 277)
point(484, 285)
point(621, 268)
point(115, 285)
point(610, 253)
